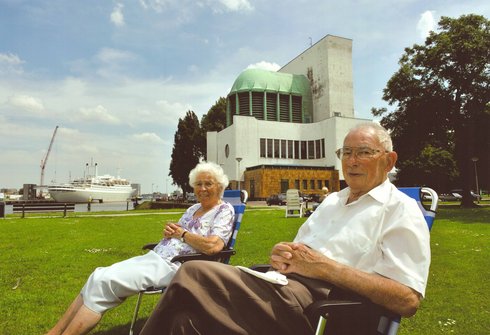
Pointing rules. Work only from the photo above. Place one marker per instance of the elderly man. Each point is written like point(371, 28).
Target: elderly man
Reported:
point(369, 239)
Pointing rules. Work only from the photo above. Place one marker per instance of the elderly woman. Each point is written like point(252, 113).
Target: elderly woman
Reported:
point(205, 227)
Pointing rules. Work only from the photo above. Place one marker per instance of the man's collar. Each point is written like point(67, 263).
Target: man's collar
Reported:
point(381, 192)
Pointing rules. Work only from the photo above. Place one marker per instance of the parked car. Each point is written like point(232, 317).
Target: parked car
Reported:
point(191, 197)
point(276, 199)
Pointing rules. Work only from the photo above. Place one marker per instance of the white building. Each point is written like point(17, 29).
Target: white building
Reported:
point(291, 121)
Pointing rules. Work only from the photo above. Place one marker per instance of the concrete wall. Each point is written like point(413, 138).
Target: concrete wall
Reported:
point(328, 66)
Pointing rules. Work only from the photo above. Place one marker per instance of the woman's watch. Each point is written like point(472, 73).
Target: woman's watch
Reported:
point(182, 239)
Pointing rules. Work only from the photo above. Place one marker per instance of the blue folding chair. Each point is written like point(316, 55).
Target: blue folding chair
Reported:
point(236, 198)
point(382, 321)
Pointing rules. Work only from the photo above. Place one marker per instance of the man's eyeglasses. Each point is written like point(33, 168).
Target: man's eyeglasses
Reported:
point(362, 153)
point(205, 184)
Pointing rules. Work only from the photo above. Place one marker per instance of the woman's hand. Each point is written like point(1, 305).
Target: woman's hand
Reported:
point(173, 230)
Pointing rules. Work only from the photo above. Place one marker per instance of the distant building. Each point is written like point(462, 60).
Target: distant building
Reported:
point(284, 127)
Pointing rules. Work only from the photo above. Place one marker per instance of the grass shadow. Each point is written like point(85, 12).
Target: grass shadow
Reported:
point(123, 329)
point(474, 215)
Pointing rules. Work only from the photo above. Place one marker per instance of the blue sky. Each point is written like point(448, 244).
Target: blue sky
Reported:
point(117, 75)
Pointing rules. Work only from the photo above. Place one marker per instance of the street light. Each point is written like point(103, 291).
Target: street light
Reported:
point(475, 159)
point(238, 159)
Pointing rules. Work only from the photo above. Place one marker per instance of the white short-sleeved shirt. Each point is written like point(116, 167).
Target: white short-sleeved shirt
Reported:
point(382, 232)
point(216, 222)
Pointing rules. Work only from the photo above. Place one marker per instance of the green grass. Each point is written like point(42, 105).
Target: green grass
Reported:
point(45, 261)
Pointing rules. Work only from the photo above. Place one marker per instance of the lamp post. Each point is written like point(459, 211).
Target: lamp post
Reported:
point(238, 159)
point(475, 159)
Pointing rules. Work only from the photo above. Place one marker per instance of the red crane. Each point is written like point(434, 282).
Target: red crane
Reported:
point(45, 159)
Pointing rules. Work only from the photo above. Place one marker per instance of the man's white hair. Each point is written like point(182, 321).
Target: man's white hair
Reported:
point(381, 133)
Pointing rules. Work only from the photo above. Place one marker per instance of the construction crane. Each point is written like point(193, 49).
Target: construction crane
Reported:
point(45, 159)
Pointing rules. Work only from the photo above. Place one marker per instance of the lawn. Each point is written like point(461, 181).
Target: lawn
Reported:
point(45, 261)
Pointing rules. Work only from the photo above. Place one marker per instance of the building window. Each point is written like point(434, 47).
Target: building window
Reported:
point(258, 105)
point(312, 184)
point(290, 149)
point(318, 149)
point(296, 109)
point(296, 184)
point(283, 108)
point(284, 185)
point(305, 184)
point(311, 149)
point(283, 148)
point(296, 150)
point(303, 150)
point(271, 109)
point(244, 103)
point(262, 147)
point(269, 148)
point(319, 184)
point(227, 150)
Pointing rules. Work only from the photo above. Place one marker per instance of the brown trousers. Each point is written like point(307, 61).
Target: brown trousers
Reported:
point(210, 298)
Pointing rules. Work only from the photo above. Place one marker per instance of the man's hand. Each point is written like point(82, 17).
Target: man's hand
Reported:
point(287, 257)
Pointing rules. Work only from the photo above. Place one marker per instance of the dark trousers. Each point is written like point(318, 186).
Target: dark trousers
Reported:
point(211, 298)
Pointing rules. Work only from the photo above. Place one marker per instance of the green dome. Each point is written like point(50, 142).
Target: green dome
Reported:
point(262, 81)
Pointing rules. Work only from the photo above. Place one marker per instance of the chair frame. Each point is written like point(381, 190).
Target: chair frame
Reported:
point(235, 197)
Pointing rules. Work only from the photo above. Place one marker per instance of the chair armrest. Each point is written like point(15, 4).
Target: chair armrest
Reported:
point(149, 246)
point(223, 254)
point(322, 307)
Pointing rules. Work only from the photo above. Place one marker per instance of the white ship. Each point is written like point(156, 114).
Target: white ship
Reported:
point(104, 188)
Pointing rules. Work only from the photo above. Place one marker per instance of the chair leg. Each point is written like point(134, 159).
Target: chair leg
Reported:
point(135, 314)
point(320, 328)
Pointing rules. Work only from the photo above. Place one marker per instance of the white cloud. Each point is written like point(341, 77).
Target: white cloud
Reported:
point(117, 16)
point(110, 55)
point(147, 137)
point(97, 114)
point(10, 63)
point(263, 65)
point(156, 5)
point(426, 24)
point(26, 103)
point(237, 5)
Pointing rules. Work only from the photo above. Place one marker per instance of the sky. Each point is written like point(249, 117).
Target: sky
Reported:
point(116, 76)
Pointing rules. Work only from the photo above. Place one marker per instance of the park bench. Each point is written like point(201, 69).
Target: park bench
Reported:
point(43, 207)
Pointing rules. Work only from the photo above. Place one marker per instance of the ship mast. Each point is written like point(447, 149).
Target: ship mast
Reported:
point(45, 160)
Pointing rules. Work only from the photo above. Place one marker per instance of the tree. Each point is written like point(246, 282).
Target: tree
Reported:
point(214, 120)
point(186, 152)
point(441, 93)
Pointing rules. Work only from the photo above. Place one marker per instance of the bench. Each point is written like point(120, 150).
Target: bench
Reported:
point(43, 207)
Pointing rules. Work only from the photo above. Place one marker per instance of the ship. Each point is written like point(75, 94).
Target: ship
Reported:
point(92, 187)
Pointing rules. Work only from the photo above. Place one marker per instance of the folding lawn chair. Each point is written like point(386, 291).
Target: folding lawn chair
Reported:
point(293, 203)
point(235, 197)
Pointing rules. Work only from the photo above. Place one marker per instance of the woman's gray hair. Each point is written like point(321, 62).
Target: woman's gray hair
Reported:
point(212, 168)
point(381, 133)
